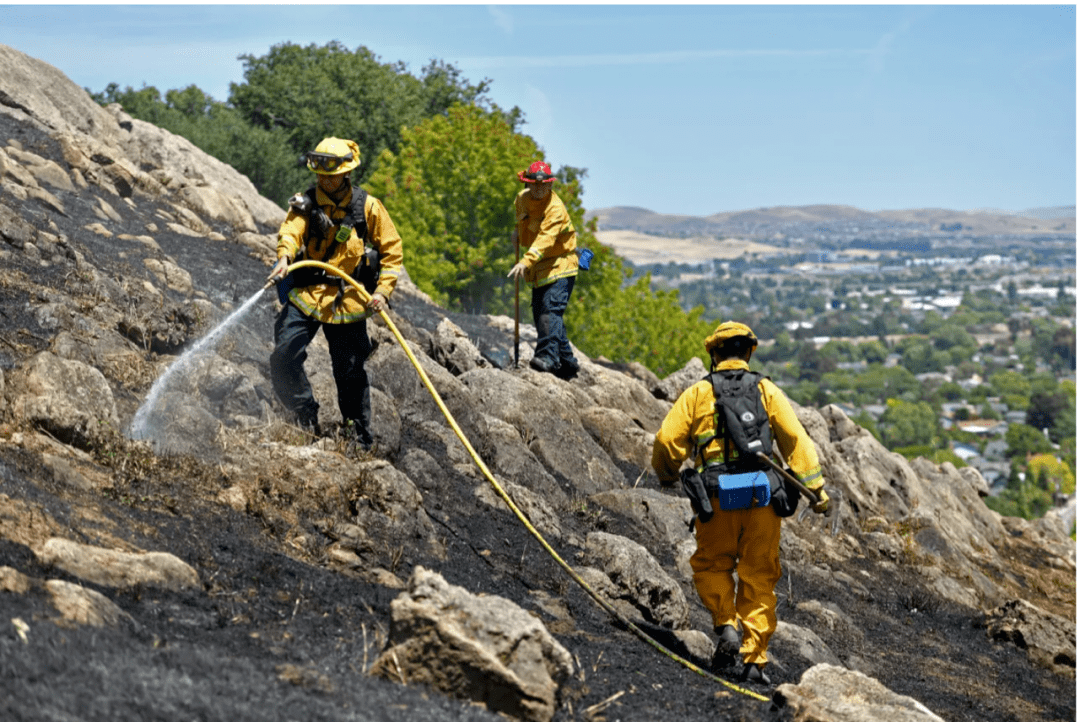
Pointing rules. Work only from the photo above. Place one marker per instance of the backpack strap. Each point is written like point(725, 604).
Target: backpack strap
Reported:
point(728, 387)
point(356, 219)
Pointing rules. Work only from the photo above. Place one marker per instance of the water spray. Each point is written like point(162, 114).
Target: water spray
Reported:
point(141, 427)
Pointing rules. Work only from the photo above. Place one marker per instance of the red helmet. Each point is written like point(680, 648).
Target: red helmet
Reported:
point(539, 172)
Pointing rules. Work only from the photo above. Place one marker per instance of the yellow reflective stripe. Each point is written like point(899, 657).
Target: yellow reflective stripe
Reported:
point(294, 296)
point(552, 279)
point(810, 480)
point(315, 312)
point(537, 255)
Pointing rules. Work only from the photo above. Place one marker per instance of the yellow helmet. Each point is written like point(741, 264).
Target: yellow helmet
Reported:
point(333, 156)
point(729, 329)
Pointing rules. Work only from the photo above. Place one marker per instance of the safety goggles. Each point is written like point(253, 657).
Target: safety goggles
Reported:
point(327, 161)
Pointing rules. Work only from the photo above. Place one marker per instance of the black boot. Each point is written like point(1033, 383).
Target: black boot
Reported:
point(568, 369)
point(354, 437)
point(542, 365)
point(755, 674)
point(727, 648)
point(308, 421)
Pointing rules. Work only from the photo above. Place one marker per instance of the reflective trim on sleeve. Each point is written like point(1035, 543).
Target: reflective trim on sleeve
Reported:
point(813, 480)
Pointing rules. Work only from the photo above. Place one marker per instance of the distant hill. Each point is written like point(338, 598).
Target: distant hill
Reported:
point(797, 220)
point(1050, 212)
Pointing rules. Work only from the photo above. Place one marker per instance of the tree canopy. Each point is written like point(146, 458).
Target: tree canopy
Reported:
point(312, 92)
point(450, 189)
point(908, 424)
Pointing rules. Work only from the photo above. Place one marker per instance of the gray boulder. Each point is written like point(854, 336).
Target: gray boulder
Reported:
point(451, 347)
point(795, 647)
point(82, 606)
point(485, 649)
point(67, 398)
point(618, 435)
point(613, 390)
point(117, 569)
point(532, 505)
point(828, 693)
point(639, 579)
point(674, 384)
point(1050, 640)
point(546, 414)
point(659, 515)
point(507, 455)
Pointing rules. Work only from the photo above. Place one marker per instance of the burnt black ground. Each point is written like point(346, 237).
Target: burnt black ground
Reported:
point(276, 635)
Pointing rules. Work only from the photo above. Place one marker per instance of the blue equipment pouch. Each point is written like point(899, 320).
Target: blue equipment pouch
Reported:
point(585, 257)
point(739, 491)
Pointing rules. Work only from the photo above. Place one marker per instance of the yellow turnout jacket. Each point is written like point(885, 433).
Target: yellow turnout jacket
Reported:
point(545, 227)
point(692, 420)
point(318, 301)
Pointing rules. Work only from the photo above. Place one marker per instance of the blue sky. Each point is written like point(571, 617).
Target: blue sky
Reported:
point(689, 109)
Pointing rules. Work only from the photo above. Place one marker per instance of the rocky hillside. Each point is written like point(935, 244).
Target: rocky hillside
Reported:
point(227, 567)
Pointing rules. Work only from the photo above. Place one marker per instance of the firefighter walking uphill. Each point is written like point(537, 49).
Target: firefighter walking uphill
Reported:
point(722, 422)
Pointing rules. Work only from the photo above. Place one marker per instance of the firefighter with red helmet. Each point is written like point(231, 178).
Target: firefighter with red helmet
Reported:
point(549, 263)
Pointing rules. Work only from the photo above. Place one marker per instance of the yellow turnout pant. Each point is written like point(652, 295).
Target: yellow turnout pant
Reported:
point(746, 541)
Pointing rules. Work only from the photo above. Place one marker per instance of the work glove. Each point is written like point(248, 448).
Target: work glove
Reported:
point(378, 303)
point(822, 504)
point(278, 272)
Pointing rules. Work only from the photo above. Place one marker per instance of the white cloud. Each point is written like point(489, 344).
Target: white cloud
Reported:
point(502, 19)
point(541, 119)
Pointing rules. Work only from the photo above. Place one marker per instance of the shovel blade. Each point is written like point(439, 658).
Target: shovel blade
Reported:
point(836, 501)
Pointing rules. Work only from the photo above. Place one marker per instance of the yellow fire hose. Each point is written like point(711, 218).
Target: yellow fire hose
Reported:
point(623, 621)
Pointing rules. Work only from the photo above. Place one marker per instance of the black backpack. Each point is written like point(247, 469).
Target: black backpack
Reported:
point(367, 271)
point(741, 420)
point(742, 424)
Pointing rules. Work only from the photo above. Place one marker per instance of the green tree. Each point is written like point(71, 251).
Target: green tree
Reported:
point(1022, 440)
point(1013, 388)
point(880, 383)
point(951, 391)
point(450, 190)
point(807, 393)
point(1022, 497)
point(1054, 410)
point(1053, 474)
point(873, 352)
point(636, 324)
point(317, 91)
point(953, 339)
point(919, 356)
point(908, 424)
point(813, 362)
